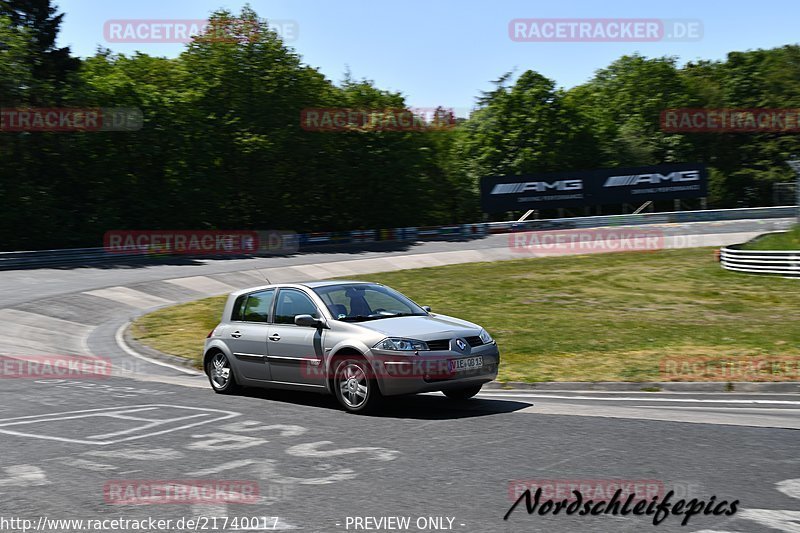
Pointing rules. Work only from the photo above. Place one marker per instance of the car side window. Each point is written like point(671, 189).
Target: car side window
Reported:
point(292, 302)
point(254, 307)
point(338, 304)
point(238, 307)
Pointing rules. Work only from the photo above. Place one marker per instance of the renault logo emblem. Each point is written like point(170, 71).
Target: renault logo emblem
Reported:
point(461, 344)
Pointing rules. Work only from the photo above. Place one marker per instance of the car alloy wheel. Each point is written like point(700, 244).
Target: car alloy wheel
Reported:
point(355, 389)
point(220, 374)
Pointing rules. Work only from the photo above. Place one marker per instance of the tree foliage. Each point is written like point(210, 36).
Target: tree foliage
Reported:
point(222, 145)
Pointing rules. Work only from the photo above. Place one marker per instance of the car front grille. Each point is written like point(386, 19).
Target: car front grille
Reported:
point(474, 341)
point(441, 344)
point(444, 344)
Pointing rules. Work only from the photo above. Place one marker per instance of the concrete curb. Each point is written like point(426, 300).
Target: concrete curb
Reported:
point(146, 352)
point(651, 386)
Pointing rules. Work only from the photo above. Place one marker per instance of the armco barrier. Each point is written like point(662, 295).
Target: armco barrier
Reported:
point(777, 263)
point(309, 241)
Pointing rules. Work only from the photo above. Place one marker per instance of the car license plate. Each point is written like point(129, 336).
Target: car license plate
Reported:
point(467, 363)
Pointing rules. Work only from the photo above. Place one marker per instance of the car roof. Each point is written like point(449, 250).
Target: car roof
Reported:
point(327, 283)
point(310, 285)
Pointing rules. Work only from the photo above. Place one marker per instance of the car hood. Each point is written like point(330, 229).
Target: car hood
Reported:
point(422, 327)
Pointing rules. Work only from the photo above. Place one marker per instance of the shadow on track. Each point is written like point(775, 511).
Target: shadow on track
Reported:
point(414, 407)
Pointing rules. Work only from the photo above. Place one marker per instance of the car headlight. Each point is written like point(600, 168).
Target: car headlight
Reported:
point(401, 345)
point(485, 337)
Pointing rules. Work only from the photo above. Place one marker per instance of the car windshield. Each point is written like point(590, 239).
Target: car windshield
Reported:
point(366, 301)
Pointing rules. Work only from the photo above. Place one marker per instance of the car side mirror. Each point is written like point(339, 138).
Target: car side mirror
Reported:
point(426, 308)
point(308, 321)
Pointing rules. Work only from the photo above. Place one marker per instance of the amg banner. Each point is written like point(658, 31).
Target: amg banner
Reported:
point(593, 187)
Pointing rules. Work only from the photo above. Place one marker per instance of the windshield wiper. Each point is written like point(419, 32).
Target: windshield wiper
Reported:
point(360, 318)
point(364, 318)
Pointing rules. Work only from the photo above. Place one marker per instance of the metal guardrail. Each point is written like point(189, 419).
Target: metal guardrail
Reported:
point(780, 263)
point(310, 241)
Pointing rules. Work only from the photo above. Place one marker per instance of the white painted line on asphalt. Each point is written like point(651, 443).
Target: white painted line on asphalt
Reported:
point(131, 297)
point(634, 399)
point(740, 409)
point(627, 392)
point(46, 426)
point(665, 414)
point(138, 454)
point(120, 339)
point(23, 476)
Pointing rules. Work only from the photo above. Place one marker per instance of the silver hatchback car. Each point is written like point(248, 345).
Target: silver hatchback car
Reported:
point(359, 341)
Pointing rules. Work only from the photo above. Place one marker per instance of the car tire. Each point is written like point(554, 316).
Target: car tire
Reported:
point(355, 386)
point(220, 374)
point(463, 394)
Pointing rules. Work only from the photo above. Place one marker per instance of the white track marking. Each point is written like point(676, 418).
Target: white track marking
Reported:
point(138, 454)
point(712, 408)
point(311, 449)
point(265, 469)
point(788, 521)
point(120, 339)
point(790, 487)
point(208, 416)
point(87, 465)
point(635, 399)
point(224, 441)
point(149, 425)
point(286, 430)
point(23, 476)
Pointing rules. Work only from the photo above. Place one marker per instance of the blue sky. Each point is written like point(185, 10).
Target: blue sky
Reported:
point(444, 52)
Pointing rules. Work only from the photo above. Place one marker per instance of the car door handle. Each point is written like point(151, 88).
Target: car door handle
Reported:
point(236, 334)
point(274, 337)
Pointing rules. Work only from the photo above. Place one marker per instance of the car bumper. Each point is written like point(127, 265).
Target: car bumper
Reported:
point(414, 374)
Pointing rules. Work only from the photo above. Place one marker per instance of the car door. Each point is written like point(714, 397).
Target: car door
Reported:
point(247, 334)
point(295, 353)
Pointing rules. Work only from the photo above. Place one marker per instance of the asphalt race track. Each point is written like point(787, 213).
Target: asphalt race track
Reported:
point(441, 465)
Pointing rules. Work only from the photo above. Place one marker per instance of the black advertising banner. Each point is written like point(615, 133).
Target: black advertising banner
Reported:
point(593, 187)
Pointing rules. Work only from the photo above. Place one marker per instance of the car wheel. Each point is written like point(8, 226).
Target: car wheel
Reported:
point(220, 374)
point(463, 394)
point(355, 387)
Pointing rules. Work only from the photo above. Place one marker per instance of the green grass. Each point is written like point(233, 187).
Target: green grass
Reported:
point(180, 329)
point(789, 240)
point(600, 317)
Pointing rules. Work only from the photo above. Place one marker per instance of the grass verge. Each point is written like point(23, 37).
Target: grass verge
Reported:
point(789, 240)
point(600, 317)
